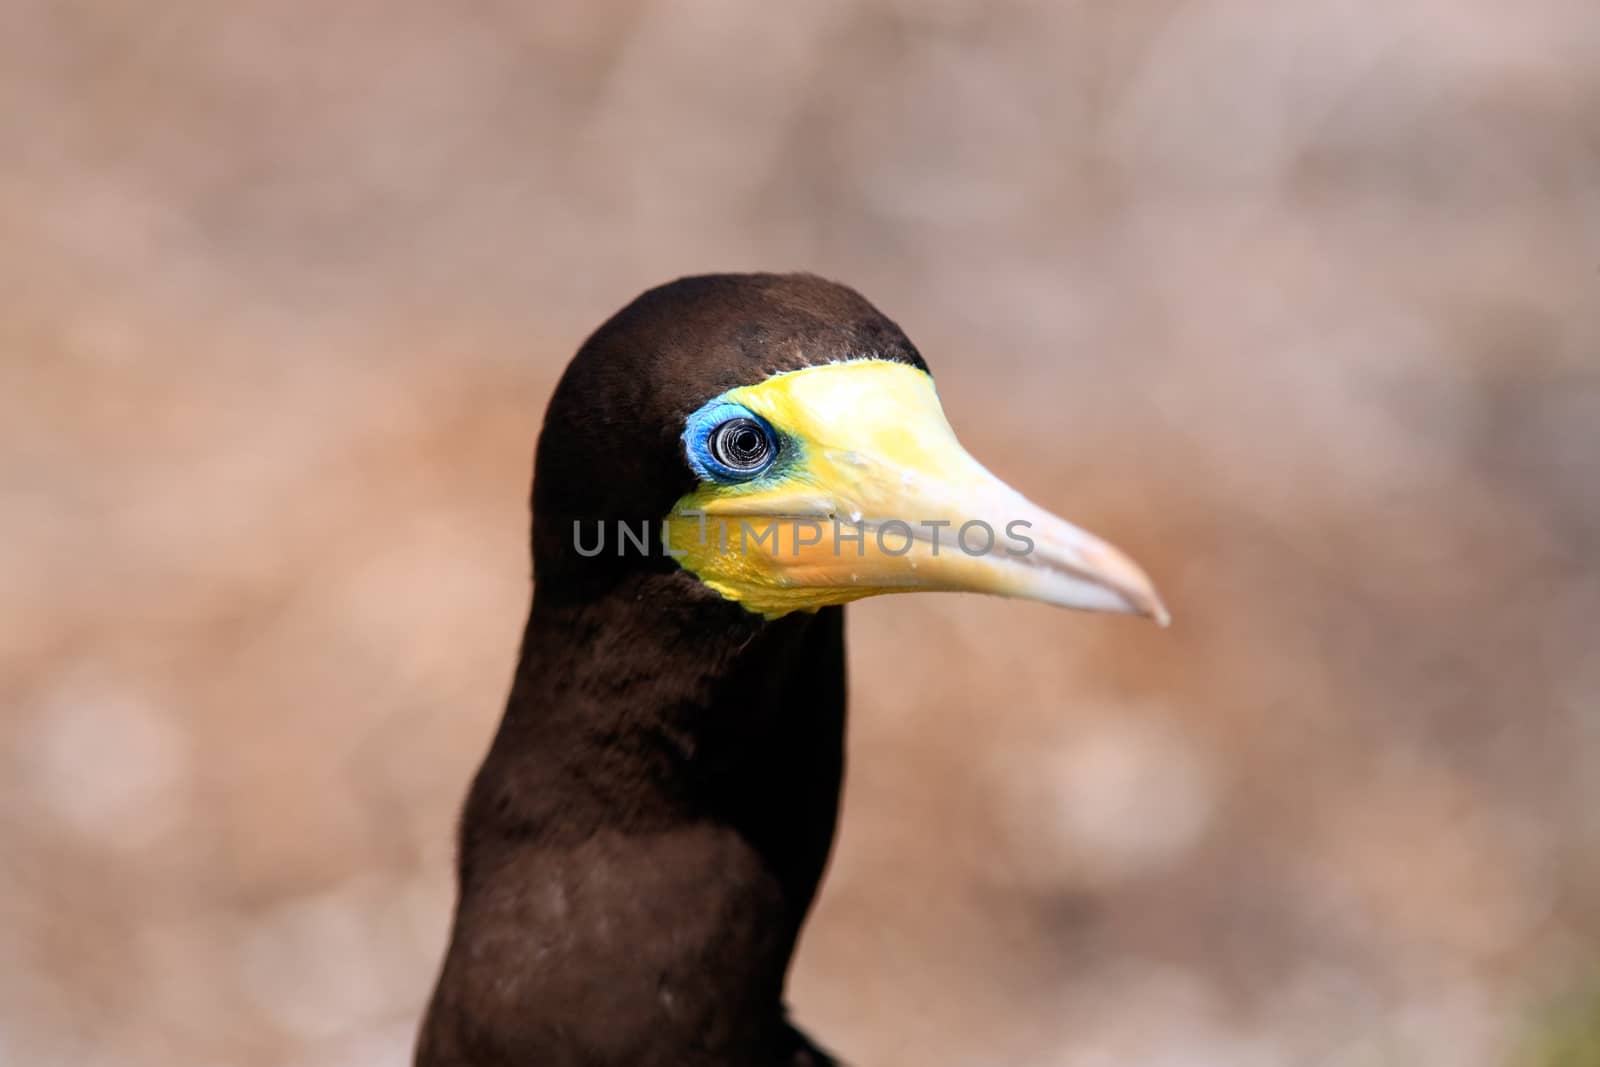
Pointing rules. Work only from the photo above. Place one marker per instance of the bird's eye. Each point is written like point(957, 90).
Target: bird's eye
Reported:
point(742, 445)
point(727, 442)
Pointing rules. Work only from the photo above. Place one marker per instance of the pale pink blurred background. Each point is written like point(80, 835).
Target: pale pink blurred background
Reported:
point(1299, 303)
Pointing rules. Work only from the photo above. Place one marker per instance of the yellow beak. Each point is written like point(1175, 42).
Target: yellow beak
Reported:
point(876, 495)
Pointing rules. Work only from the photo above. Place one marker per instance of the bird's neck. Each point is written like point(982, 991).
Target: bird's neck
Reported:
point(648, 831)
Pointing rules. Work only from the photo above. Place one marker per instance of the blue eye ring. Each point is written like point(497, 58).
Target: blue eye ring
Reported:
point(727, 442)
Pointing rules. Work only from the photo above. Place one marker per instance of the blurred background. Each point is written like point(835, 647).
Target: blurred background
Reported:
point(1298, 303)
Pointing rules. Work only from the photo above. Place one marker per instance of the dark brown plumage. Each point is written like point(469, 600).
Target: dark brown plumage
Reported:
point(646, 835)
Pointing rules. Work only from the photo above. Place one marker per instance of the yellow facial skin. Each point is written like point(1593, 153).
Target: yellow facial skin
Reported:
point(867, 469)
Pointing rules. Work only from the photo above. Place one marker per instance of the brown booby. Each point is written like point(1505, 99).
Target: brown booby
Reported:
point(724, 464)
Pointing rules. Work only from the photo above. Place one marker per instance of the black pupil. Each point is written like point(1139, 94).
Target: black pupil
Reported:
point(741, 444)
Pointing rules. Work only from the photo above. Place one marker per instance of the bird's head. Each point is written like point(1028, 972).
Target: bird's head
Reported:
point(779, 439)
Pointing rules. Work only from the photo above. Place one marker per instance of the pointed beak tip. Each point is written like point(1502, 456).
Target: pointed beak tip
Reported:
point(1113, 569)
point(1147, 604)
